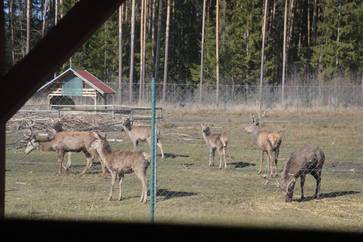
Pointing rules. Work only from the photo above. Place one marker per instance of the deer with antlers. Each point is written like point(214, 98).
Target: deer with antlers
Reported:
point(139, 133)
point(215, 142)
point(63, 142)
point(268, 142)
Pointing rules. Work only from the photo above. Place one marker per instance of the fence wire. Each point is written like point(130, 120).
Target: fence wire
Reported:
point(296, 96)
point(189, 190)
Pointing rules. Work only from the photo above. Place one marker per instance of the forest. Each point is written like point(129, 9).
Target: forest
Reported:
point(207, 41)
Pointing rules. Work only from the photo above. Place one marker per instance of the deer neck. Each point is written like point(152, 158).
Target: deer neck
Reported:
point(206, 135)
point(45, 146)
point(256, 131)
point(104, 154)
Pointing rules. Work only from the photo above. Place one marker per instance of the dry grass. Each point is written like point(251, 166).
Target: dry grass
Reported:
point(192, 192)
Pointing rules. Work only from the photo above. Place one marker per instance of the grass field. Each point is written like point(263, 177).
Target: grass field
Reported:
point(191, 192)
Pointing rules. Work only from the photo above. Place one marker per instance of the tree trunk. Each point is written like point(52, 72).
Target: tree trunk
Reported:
point(141, 48)
point(262, 56)
point(166, 49)
point(44, 16)
point(120, 12)
point(132, 50)
point(284, 55)
point(144, 51)
point(217, 52)
point(55, 12)
point(28, 18)
point(153, 27)
point(156, 70)
point(11, 23)
point(202, 54)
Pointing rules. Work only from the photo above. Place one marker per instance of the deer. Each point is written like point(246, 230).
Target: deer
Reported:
point(139, 133)
point(63, 142)
point(120, 163)
point(215, 142)
point(268, 142)
point(307, 160)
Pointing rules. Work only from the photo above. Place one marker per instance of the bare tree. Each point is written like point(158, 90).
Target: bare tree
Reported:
point(120, 12)
point(217, 52)
point(262, 56)
point(28, 17)
point(144, 49)
point(166, 49)
point(45, 10)
point(142, 26)
point(202, 53)
point(284, 55)
point(11, 23)
point(132, 50)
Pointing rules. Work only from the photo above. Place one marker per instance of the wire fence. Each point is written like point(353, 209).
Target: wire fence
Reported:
point(188, 189)
point(301, 96)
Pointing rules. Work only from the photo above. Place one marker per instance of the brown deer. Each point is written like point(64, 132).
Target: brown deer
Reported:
point(120, 163)
point(268, 142)
point(139, 133)
point(215, 142)
point(63, 142)
point(307, 160)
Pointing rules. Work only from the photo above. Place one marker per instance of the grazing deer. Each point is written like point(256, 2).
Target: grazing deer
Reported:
point(62, 142)
point(307, 160)
point(139, 133)
point(120, 163)
point(268, 142)
point(215, 142)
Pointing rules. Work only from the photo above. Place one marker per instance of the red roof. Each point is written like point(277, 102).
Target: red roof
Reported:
point(95, 81)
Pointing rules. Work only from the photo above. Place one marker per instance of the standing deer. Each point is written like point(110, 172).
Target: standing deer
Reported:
point(139, 133)
point(120, 163)
point(62, 142)
point(307, 160)
point(215, 142)
point(268, 142)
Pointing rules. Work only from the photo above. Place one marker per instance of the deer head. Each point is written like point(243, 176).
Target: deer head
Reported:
point(34, 140)
point(205, 128)
point(253, 125)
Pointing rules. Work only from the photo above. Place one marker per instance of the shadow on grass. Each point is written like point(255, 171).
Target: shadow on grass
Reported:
point(241, 164)
point(328, 195)
point(172, 155)
point(165, 194)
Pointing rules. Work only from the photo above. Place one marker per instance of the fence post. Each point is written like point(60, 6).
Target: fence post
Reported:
point(153, 153)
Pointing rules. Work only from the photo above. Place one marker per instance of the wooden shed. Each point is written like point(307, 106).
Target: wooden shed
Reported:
point(74, 83)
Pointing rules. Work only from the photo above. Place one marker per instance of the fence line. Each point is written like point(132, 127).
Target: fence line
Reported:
point(297, 96)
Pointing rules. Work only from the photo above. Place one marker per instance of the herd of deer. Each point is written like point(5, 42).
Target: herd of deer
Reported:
point(307, 160)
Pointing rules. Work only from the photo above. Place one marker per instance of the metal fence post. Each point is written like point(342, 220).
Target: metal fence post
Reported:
point(153, 153)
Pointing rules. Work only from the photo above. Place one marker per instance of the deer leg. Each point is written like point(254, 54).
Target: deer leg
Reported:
point(119, 186)
point(60, 161)
point(270, 164)
point(224, 156)
point(161, 149)
point(89, 161)
point(69, 161)
point(141, 175)
point(302, 181)
point(261, 163)
point(220, 158)
point(113, 179)
point(213, 155)
point(317, 176)
point(210, 157)
point(277, 151)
